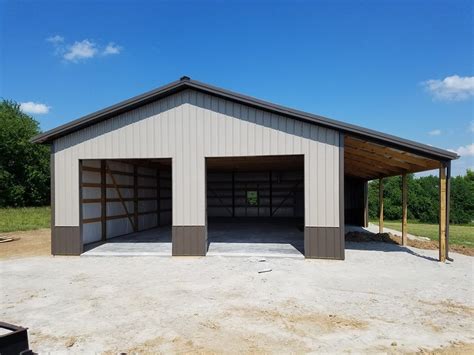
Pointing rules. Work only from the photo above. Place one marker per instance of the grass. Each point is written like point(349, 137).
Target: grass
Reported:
point(458, 234)
point(23, 219)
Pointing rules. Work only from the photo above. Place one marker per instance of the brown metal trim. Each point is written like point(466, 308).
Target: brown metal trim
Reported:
point(324, 243)
point(66, 240)
point(189, 240)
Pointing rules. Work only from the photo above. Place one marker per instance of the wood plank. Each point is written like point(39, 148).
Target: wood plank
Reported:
point(103, 200)
point(119, 193)
point(390, 152)
point(135, 198)
point(382, 159)
point(383, 168)
point(381, 206)
point(404, 209)
point(442, 214)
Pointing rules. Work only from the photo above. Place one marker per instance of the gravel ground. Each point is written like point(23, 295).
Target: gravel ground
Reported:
point(381, 298)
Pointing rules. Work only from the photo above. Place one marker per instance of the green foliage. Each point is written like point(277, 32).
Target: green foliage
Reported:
point(423, 198)
point(24, 218)
point(24, 166)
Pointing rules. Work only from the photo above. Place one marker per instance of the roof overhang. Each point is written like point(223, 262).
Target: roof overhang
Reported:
point(357, 132)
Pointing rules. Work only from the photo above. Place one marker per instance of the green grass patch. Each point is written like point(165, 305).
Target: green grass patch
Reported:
point(25, 218)
point(458, 234)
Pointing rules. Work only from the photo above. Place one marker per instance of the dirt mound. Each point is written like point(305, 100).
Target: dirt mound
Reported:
point(393, 239)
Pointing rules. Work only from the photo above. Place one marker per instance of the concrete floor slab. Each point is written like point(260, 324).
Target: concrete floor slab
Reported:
point(265, 239)
point(152, 242)
point(228, 238)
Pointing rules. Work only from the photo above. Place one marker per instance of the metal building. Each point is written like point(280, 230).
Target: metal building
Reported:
point(175, 159)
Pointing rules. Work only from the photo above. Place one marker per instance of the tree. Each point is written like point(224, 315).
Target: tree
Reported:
point(423, 198)
point(24, 166)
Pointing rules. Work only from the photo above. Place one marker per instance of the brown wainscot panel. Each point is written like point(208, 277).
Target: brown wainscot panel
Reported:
point(66, 240)
point(189, 240)
point(324, 243)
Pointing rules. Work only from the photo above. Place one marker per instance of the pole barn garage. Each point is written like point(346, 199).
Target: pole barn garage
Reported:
point(195, 169)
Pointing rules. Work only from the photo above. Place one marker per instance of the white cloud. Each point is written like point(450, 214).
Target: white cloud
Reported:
point(465, 151)
point(451, 88)
point(80, 50)
point(34, 108)
point(435, 132)
point(112, 48)
point(56, 39)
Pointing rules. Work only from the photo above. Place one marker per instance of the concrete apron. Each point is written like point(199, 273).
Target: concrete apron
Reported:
point(238, 240)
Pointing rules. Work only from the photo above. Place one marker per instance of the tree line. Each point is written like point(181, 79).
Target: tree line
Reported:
point(24, 166)
point(423, 198)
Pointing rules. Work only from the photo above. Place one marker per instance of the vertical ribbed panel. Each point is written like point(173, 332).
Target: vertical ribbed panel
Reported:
point(189, 126)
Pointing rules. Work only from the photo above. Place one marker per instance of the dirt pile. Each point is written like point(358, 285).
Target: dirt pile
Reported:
point(360, 237)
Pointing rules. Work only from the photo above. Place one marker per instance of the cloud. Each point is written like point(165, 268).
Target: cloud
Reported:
point(34, 108)
point(80, 50)
point(465, 151)
point(451, 88)
point(435, 132)
point(56, 39)
point(112, 48)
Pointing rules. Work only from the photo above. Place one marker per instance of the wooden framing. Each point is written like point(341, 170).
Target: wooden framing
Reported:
point(369, 160)
point(380, 205)
point(404, 209)
point(103, 200)
point(135, 198)
point(442, 214)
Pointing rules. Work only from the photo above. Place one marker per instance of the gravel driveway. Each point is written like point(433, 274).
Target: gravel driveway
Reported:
point(381, 298)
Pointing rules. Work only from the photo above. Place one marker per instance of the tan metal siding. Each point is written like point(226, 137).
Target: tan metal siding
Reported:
point(188, 127)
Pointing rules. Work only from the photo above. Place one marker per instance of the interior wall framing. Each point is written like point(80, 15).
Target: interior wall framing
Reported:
point(279, 193)
point(121, 197)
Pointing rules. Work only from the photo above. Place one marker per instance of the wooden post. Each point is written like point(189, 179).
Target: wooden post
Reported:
point(158, 197)
point(380, 205)
point(270, 180)
point(233, 193)
point(404, 209)
point(135, 198)
point(442, 214)
point(103, 200)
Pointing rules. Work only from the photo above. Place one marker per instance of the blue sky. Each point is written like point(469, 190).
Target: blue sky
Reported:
point(401, 67)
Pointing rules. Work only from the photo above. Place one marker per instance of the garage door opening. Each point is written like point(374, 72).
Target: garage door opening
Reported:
point(126, 206)
point(255, 206)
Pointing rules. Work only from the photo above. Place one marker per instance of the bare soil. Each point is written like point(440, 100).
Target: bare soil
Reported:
point(393, 239)
point(26, 244)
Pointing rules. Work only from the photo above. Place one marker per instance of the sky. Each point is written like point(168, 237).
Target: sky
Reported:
point(400, 67)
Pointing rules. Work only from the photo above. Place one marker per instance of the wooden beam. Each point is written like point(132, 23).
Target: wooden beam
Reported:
point(442, 214)
point(392, 153)
point(381, 206)
point(377, 166)
point(404, 209)
point(135, 198)
point(117, 188)
point(158, 197)
point(103, 200)
point(379, 158)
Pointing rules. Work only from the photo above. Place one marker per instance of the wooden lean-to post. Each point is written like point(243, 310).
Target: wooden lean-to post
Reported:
point(380, 205)
point(442, 214)
point(404, 209)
